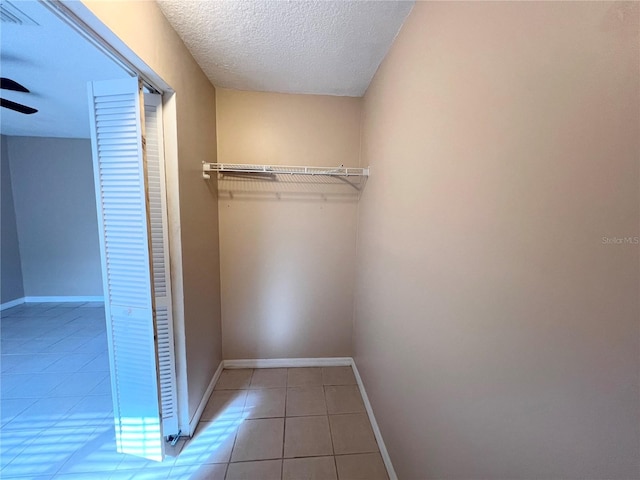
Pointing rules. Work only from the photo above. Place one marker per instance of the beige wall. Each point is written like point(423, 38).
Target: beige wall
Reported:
point(287, 247)
point(496, 334)
point(141, 25)
point(55, 214)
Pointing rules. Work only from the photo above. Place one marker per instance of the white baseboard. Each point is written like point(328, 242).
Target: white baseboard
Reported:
point(374, 425)
point(289, 362)
point(52, 299)
point(203, 402)
point(64, 299)
point(12, 303)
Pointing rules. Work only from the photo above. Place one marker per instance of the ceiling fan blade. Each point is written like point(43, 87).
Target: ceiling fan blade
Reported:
point(17, 107)
point(8, 84)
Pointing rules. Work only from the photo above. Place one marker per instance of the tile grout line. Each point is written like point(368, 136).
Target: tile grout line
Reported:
point(235, 438)
point(284, 424)
point(333, 448)
point(284, 433)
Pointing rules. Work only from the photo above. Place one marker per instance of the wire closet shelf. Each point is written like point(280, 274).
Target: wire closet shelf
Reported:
point(208, 168)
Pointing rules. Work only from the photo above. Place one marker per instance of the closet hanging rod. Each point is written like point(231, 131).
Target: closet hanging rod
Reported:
point(340, 171)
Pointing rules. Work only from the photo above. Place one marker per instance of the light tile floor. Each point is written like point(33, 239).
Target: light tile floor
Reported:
point(56, 413)
point(279, 423)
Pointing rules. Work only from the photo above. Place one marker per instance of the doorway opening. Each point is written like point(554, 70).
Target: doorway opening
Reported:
point(57, 409)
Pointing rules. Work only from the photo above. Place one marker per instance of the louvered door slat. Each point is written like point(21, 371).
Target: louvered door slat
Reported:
point(160, 258)
point(120, 193)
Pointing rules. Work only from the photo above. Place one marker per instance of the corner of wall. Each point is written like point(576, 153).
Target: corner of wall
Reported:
point(11, 276)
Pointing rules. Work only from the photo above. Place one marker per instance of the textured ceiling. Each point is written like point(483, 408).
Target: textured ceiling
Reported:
point(55, 63)
point(317, 47)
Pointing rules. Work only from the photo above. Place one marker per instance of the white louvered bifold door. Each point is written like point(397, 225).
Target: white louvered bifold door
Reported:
point(156, 189)
point(118, 163)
